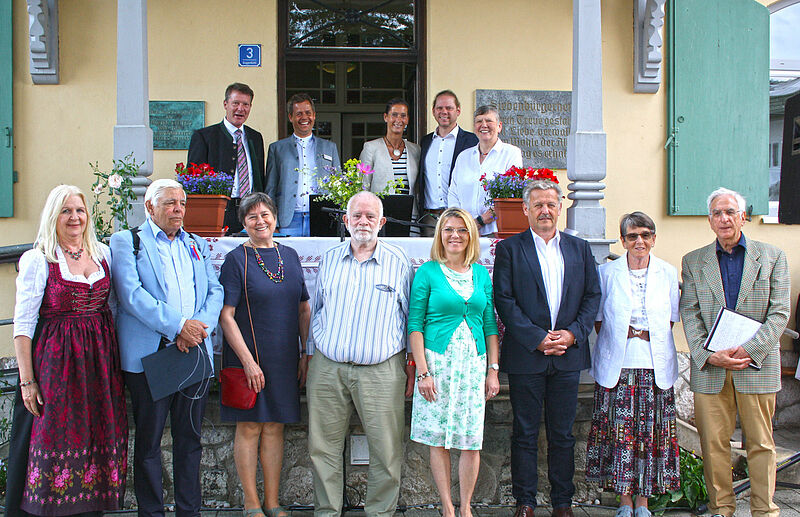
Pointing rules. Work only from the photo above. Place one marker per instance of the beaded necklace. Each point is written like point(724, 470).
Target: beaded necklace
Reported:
point(275, 277)
point(75, 255)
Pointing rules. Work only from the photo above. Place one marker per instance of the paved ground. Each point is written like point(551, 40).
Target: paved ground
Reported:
point(787, 499)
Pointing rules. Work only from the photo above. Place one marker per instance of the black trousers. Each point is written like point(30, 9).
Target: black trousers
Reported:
point(150, 417)
point(555, 393)
point(21, 425)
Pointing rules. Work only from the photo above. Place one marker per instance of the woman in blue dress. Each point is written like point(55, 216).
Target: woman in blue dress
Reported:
point(272, 297)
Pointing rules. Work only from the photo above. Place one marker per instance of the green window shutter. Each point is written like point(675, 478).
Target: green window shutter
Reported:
point(6, 119)
point(718, 102)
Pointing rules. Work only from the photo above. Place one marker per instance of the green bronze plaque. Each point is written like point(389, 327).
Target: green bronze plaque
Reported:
point(173, 122)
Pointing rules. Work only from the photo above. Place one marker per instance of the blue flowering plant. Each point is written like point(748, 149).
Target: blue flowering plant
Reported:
point(203, 179)
point(340, 184)
point(511, 183)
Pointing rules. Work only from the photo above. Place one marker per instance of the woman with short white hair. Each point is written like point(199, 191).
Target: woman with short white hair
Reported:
point(632, 444)
point(488, 159)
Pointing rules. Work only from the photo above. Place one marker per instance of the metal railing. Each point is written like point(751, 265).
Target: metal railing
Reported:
point(11, 254)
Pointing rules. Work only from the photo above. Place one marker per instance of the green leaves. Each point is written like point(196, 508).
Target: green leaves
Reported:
point(116, 187)
point(693, 491)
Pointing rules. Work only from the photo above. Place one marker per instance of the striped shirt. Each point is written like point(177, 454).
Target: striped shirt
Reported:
point(400, 171)
point(361, 308)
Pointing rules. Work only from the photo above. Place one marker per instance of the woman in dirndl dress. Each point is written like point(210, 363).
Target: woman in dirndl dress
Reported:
point(69, 437)
point(632, 446)
point(453, 335)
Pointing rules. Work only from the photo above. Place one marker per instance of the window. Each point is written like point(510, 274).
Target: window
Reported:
point(351, 23)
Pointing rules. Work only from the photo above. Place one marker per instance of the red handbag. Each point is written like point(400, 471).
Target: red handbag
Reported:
point(235, 391)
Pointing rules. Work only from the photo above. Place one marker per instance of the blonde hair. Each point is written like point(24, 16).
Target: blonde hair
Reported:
point(473, 251)
point(47, 238)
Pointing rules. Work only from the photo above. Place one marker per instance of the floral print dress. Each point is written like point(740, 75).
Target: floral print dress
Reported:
point(455, 419)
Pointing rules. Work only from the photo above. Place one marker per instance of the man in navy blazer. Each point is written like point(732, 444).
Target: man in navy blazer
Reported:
point(217, 145)
point(294, 165)
point(547, 294)
point(168, 295)
point(439, 150)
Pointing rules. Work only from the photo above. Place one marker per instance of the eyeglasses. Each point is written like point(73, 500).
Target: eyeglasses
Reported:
point(716, 214)
point(462, 232)
point(633, 237)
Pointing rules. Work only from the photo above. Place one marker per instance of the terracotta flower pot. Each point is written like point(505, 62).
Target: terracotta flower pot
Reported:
point(510, 219)
point(205, 214)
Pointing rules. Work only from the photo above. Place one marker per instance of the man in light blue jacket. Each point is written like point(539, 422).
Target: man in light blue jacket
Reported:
point(168, 295)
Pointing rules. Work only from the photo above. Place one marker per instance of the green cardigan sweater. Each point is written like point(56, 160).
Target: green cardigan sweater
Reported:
point(436, 309)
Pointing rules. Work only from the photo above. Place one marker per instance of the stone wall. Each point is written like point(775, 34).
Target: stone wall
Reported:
point(221, 485)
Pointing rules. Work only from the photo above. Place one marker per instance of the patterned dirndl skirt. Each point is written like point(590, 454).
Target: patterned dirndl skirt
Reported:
point(633, 445)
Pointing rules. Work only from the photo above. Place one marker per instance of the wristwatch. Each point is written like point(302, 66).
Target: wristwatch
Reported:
point(494, 366)
point(479, 222)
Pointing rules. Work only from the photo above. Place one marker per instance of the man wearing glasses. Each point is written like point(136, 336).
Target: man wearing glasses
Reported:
point(751, 278)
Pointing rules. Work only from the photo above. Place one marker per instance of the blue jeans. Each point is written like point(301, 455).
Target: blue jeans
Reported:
point(299, 227)
point(557, 392)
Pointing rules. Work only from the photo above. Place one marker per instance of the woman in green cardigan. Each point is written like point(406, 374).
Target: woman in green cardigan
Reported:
point(453, 335)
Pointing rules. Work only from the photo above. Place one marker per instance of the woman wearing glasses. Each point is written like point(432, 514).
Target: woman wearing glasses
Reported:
point(632, 446)
point(453, 335)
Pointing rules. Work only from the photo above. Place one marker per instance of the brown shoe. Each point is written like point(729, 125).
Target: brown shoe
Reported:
point(563, 512)
point(524, 510)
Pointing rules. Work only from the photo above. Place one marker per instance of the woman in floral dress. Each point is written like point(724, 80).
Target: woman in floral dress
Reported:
point(69, 439)
point(453, 334)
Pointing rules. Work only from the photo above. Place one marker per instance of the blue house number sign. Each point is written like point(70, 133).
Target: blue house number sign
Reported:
point(249, 55)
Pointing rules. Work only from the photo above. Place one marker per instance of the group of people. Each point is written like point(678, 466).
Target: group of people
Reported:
point(376, 332)
point(442, 171)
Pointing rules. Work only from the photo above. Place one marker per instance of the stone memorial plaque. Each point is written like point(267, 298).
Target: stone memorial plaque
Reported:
point(173, 122)
point(536, 121)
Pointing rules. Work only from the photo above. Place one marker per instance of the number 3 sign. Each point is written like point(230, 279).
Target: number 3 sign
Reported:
point(249, 55)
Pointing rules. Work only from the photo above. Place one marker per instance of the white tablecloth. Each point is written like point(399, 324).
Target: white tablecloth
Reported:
point(310, 250)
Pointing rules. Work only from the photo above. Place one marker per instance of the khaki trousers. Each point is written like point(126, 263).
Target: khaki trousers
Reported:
point(377, 394)
point(715, 416)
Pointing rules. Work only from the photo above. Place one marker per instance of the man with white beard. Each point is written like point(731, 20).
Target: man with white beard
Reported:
point(360, 359)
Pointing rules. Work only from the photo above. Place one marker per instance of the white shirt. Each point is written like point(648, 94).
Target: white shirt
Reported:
point(637, 350)
point(551, 262)
point(31, 282)
point(437, 168)
point(306, 149)
point(232, 130)
point(466, 190)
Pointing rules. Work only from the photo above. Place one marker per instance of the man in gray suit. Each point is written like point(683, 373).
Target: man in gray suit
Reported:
point(295, 163)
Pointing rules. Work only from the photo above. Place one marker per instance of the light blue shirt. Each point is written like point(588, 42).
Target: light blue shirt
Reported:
point(360, 309)
point(176, 259)
point(306, 158)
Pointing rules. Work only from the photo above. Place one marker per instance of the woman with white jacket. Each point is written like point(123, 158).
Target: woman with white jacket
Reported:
point(632, 446)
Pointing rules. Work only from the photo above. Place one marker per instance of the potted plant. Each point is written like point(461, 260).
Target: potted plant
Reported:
point(505, 196)
point(339, 184)
point(117, 187)
point(207, 195)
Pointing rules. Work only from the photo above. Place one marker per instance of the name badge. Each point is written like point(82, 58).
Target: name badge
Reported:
point(385, 288)
point(327, 157)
